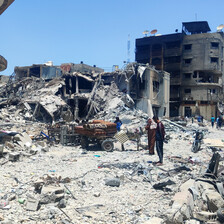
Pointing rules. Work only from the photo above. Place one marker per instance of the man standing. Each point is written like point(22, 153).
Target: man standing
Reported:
point(151, 128)
point(160, 134)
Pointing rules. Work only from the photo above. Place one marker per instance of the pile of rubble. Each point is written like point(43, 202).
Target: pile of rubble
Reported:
point(44, 181)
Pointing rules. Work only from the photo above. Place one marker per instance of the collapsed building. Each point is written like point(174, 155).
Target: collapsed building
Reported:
point(194, 59)
point(77, 91)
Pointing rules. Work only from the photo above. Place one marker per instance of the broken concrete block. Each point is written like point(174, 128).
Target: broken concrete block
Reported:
point(32, 204)
point(114, 182)
point(50, 194)
point(23, 139)
point(188, 184)
point(214, 200)
point(183, 197)
point(182, 208)
point(210, 195)
point(62, 203)
point(14, 156)
point(174, 216)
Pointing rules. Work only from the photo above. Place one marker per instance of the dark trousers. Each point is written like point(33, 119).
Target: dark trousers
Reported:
point(159, 149)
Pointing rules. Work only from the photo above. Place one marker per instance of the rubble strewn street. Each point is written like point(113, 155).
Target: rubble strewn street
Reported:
point(49, 181)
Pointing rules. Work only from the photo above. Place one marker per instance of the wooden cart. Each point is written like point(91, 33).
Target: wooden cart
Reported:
point(97, 132)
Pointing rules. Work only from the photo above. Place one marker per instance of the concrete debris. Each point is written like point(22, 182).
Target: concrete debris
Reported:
point(47, 177)
point(114, 182)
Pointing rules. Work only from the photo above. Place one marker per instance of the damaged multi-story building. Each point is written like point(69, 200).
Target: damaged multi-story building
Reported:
point(194, 59)
point(79, 91)
point(148, 87)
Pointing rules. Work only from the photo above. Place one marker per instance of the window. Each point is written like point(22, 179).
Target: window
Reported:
point(155, 86)
point(187, 61)
point(187, 75)
point(214, 60)
point(195, 74)
point(187, 46)
point(187, 91)
point(211, 90)
point(214, 45)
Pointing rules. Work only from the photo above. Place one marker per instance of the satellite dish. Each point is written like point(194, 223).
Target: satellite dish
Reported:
point(146, 32)
point(153, 31)
point(220, 27)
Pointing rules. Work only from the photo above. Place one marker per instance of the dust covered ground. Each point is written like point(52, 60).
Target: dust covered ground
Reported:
point(84, 174)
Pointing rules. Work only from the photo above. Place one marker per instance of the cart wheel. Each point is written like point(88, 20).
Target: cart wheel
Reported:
point(107, 145)
point(84, 142)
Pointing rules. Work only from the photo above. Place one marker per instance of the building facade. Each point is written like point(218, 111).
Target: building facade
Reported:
point(194, 59)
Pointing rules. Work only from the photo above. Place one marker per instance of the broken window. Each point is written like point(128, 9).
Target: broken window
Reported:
point(187, 46)
point(155, 86)
point(187, 75)
point(83, 108)
point(35, 71)
point(187, 61)
point(211, 90)
point(187, 112)
point(204, 102)
point(214, 60)
point(195, 74)
point(190, 102)
point(187, 91)
point(214, 45)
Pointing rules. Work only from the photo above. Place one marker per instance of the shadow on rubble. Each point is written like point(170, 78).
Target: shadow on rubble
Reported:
point(94, 147)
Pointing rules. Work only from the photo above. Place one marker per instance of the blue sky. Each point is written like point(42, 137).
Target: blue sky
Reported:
point(93, 31)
